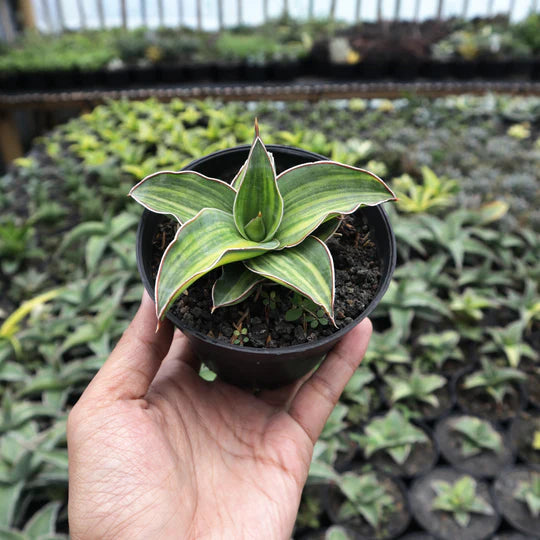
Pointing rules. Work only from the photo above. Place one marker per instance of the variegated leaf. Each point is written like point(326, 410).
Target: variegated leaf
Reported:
point(313, 191)
point(183, 194)
point(237, 180)
point(234, 285)
point(203, 243)
point(306, 268)
point(327, 229)
point(258, 195)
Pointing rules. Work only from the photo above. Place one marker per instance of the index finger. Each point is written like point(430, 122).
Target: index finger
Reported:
point(135, 360)
point(317, 397)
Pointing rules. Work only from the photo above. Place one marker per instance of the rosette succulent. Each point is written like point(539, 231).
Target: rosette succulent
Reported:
point(261, 226)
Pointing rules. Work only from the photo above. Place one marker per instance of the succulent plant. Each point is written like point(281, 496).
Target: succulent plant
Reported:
point(529, 493)
point(460, 499)
point(392, 433)
point(260, 226)
point(366, 496)
point(497, 381)
point(477, 435)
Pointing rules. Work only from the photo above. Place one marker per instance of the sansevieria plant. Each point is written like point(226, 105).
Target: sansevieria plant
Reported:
point(261, 226)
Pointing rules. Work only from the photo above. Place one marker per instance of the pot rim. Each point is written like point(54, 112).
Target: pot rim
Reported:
point(274, 353)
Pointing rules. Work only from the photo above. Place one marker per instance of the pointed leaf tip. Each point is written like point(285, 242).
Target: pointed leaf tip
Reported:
point(258, 193)
point(257, 128)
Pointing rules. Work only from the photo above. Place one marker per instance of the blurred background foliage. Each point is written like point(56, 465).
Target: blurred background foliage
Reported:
point(466, 287)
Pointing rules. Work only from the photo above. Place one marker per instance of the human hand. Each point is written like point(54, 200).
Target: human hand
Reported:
point(157, 452)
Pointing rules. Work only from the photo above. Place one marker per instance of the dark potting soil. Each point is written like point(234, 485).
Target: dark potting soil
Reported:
point(484, 464)
point(515, 511)
point(357, 276)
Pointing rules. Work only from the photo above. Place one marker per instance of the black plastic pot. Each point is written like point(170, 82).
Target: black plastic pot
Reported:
point(170, 73)
point(264, 368)
point(9, 81)
point(118, 78)
point(92, 78)
point(522, 431)
point(435, 70)
point(486, 464)
point(515, 511)
point(143, 75)
point(441, 524)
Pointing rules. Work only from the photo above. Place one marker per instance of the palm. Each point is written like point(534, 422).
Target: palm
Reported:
point(188, 459)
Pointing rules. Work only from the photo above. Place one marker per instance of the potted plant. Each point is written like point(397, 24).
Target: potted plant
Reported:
point(268, 226)
point(492, 392)
point(425, 394)
point(474, 445)
point(517, 494)
point(369, 503)
point(361, 395)
point(451, 505)
point(396, 446)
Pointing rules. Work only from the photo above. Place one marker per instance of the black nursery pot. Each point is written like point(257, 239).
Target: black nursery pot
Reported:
point(264, 368)
point(441, 524)
point(515, 511)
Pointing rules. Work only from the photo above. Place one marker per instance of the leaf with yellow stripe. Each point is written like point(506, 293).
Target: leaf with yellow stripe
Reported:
point(258, 205)
point(207, 241)
point(234, 285)
point(183, 194)
point(306, 268)
point(313, 191)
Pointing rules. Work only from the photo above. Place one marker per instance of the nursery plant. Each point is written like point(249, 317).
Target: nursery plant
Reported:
point(270, 226)
point(496, 381)
point(365, 496)
point(392, 433)
point(415, 386)
point(460, 499)
point(477, 435)
point(529, 493)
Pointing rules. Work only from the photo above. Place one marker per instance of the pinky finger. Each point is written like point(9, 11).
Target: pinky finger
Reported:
point(317, 397)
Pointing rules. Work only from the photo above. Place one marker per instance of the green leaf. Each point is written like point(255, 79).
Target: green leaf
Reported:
point(95, 247)
point(183, 194)
point(463, 518)
point(400, 453)
point(320, 471)
point(234, 285)
point(9, 497)
point(82, 231)
point(11, 534)
point(258, 196)
point(255, 229)
point(203, 243)
point(327, 229)
point(313, 191)
point(43, 521)
point(307, 269)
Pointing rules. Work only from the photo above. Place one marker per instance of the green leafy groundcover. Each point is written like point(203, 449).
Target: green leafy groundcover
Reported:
point(465, 170)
